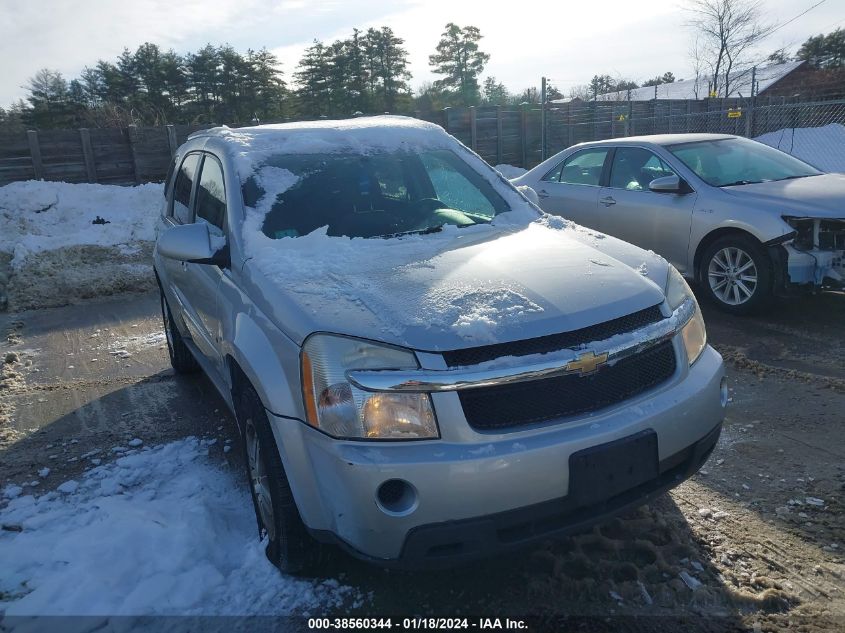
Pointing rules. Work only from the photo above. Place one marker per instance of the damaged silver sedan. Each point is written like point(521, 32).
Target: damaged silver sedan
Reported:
point(746, 221)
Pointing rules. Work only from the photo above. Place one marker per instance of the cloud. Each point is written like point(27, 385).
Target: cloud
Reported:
point(566, 41)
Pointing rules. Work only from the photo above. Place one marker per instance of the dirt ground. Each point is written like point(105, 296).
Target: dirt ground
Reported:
point(754, 542)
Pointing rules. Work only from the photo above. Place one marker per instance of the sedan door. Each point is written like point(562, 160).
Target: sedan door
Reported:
point(629, 210)
point(571, 189)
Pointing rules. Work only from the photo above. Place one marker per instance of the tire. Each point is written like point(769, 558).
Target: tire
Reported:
point(736, 274)
point(181, 358)
point(290, 547)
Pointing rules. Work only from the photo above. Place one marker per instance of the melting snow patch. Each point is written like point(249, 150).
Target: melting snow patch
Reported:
point(162, 531)
point(509, 171)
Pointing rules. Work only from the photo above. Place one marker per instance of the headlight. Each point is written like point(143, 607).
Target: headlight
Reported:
point(334, 406)
point(693, 333)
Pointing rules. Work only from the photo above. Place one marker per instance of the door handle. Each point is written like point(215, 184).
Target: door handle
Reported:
point(608, 201)
point(543, 193)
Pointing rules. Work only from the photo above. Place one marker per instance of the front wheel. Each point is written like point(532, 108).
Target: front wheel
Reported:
point(736, 274)
point(289, 547)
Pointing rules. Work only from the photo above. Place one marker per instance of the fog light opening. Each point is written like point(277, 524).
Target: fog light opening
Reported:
point(396, 497)
point(723, 392)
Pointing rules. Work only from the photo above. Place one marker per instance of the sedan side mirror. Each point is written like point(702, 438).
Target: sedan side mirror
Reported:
point(666, 184)
point(194, 244)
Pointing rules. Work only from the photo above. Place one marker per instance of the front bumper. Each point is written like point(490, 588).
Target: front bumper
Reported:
point(800, 271)
point(474, 484)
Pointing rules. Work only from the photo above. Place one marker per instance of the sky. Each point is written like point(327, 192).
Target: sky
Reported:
point(565, 40)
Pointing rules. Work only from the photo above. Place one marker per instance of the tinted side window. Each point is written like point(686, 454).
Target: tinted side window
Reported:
point(181, 210)
point(211, 194)
point(583, 168)
point(634, 168)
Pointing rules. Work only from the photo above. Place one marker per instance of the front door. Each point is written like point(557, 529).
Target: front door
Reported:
point(203, 280)
point(657, 221)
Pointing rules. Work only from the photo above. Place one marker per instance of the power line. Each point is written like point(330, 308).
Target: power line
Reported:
point(803, 13)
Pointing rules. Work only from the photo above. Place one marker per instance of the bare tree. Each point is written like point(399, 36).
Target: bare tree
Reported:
point(727, 31)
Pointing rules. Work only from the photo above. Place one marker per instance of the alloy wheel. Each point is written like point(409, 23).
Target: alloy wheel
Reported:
point(259, 479)
point(732, 275)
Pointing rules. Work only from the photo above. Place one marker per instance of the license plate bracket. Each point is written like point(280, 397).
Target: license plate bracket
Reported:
point(601, 472)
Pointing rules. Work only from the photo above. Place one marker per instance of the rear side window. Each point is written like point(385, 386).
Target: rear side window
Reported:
point(181, 210)
point(211, 194)
point(582, 168)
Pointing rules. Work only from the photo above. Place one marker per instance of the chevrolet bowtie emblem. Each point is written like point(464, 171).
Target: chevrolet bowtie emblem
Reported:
point(586, 363)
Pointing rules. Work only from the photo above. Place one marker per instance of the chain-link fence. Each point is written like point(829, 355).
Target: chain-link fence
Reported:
point(812, 131)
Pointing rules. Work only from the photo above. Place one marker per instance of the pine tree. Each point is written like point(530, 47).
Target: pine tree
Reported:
point(494, 92)
point(312, 76)
point(461, 62)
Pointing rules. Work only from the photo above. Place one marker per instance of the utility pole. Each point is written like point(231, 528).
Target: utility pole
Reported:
point(542, 119)
point(749, 119)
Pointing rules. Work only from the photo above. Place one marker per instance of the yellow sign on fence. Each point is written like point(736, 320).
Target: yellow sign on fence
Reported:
point(734, 114)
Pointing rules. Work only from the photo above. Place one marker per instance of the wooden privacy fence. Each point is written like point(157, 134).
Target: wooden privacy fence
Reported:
point(119, 156)
point(513, 135)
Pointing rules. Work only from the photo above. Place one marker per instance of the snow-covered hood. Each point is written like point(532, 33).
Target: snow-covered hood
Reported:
point(455, 289)
point(815, 196)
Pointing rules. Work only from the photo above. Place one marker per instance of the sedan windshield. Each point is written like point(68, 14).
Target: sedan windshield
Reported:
point(369, 195)
point(739, 161)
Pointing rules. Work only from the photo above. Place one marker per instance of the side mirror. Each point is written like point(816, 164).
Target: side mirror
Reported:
point(194, 244)
point(666, 184)
point(529, 193)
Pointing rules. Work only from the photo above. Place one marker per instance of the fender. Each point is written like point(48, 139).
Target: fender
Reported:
point(272, 366)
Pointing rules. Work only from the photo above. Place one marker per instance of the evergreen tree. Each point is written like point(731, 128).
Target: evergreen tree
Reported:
point(312, 76)
point(824, 51)
point(494, 92)
point(460, 61)
point(50, 101)
point(388, 66)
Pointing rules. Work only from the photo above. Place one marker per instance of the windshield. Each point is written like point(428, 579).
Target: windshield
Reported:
point(739, 161)
point(372, 195)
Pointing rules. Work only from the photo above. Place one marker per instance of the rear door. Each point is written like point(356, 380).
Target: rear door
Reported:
point(658, 221)
point(572, 188)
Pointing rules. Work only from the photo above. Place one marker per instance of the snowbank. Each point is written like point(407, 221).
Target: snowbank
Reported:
point(159, 531)
point(60, 242)
point(823, 147)
point(509, 171)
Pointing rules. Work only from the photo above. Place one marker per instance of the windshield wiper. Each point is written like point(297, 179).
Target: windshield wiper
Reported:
point(794, 177)
point(741, 182)
point(431, 229)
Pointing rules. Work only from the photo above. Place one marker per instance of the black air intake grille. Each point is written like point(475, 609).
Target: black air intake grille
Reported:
point(501, 407)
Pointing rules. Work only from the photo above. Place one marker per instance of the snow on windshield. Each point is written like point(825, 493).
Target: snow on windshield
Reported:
point(320, 268)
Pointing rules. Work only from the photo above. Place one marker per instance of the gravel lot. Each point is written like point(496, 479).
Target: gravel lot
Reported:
point(761, 528)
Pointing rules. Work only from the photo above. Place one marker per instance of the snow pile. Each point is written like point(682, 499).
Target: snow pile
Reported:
point(60, 242)
point(159, 531)
point(822, 147)
point(509, 171)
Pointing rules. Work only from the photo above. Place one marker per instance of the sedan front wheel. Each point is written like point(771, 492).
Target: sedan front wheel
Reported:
point(736, 274)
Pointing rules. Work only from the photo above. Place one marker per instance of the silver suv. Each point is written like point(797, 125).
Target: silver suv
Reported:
point(425, 368)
